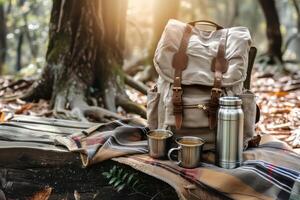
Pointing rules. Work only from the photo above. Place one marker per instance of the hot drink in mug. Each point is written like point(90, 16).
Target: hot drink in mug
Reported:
point(189, 151)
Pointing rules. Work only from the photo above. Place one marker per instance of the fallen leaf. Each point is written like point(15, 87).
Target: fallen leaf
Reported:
point(76, 195)
point(42, 195)
point(280, 93)
point(24, 108)
point(2, 117)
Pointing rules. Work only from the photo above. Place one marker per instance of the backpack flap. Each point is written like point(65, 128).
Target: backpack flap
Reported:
point(201, 50)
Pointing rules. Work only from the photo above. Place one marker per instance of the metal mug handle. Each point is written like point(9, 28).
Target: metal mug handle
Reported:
point(171, 151)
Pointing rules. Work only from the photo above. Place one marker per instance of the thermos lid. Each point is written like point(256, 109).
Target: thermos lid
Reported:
point(230, 101)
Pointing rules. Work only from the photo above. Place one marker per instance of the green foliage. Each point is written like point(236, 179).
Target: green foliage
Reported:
point(120, 179)
point(29, 18)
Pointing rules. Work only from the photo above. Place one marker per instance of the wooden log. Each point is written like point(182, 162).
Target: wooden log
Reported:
point(52, 121)
point(29, 157)
point(135, 84)
point(64, 181)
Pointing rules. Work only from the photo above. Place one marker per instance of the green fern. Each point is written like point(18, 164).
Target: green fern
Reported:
point(118, 178)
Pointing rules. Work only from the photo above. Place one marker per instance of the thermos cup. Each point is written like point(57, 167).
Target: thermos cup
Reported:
point(159, 142)
point(189, 151)
point(230, 133)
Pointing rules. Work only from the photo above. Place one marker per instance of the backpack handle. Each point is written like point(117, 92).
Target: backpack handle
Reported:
point(206, 22)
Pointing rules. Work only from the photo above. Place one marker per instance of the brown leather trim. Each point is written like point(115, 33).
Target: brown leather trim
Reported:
point(218, 27)
point(219, 66)
point(179, 63)
point(251, 59)
point(254, 142)
point(257, 117)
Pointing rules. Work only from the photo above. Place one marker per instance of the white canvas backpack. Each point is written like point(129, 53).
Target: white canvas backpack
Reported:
point(195, 68)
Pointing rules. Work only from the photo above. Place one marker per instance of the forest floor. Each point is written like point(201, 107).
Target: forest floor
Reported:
point(278, 98)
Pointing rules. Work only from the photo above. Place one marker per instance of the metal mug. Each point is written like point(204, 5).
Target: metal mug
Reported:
point(159, 142)
point(189, 151)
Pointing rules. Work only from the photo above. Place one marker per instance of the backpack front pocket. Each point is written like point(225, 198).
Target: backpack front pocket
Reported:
point(194, 111)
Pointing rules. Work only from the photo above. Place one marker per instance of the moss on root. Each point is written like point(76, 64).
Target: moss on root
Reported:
point(61, 47)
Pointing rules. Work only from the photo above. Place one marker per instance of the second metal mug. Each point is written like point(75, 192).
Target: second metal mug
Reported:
point(189, 151)
point(159, 142)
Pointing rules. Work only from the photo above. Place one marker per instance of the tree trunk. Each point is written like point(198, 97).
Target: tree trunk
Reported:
point(19, 52)
point(2, 36)
point(273, 29)
point(232, 11)
point(163, 11)
point(85, 51)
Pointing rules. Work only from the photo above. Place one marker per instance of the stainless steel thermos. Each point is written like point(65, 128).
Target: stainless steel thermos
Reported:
point(230, 132)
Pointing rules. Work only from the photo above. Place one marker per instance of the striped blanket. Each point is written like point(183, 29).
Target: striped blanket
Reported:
point(271, 171)
point(105, 141)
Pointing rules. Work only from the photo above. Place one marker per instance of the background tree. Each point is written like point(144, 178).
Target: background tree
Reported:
point(162, 12)
point(2, 36)
point(273, 30)
point(19, 51)
point(291, 21)
point(83, 58)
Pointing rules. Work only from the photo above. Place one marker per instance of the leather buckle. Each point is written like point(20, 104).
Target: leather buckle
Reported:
point(177, 89)
point(217, 91)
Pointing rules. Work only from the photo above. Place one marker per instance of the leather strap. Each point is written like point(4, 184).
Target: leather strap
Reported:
point(251, 59)
point(206, 22)
point(180, 61)
point(219, 66)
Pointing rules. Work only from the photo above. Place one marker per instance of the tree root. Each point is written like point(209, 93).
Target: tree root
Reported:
point(80, 110)
point(41, 89)
point(20, 84)
point(294, 138)
point(137, 85)
point(86, 113)
point(101, 113)
point(130, 106)
point(149, 73)
point(109, 97)
point(34, 93)
point(131, 67)
point(60, 111)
